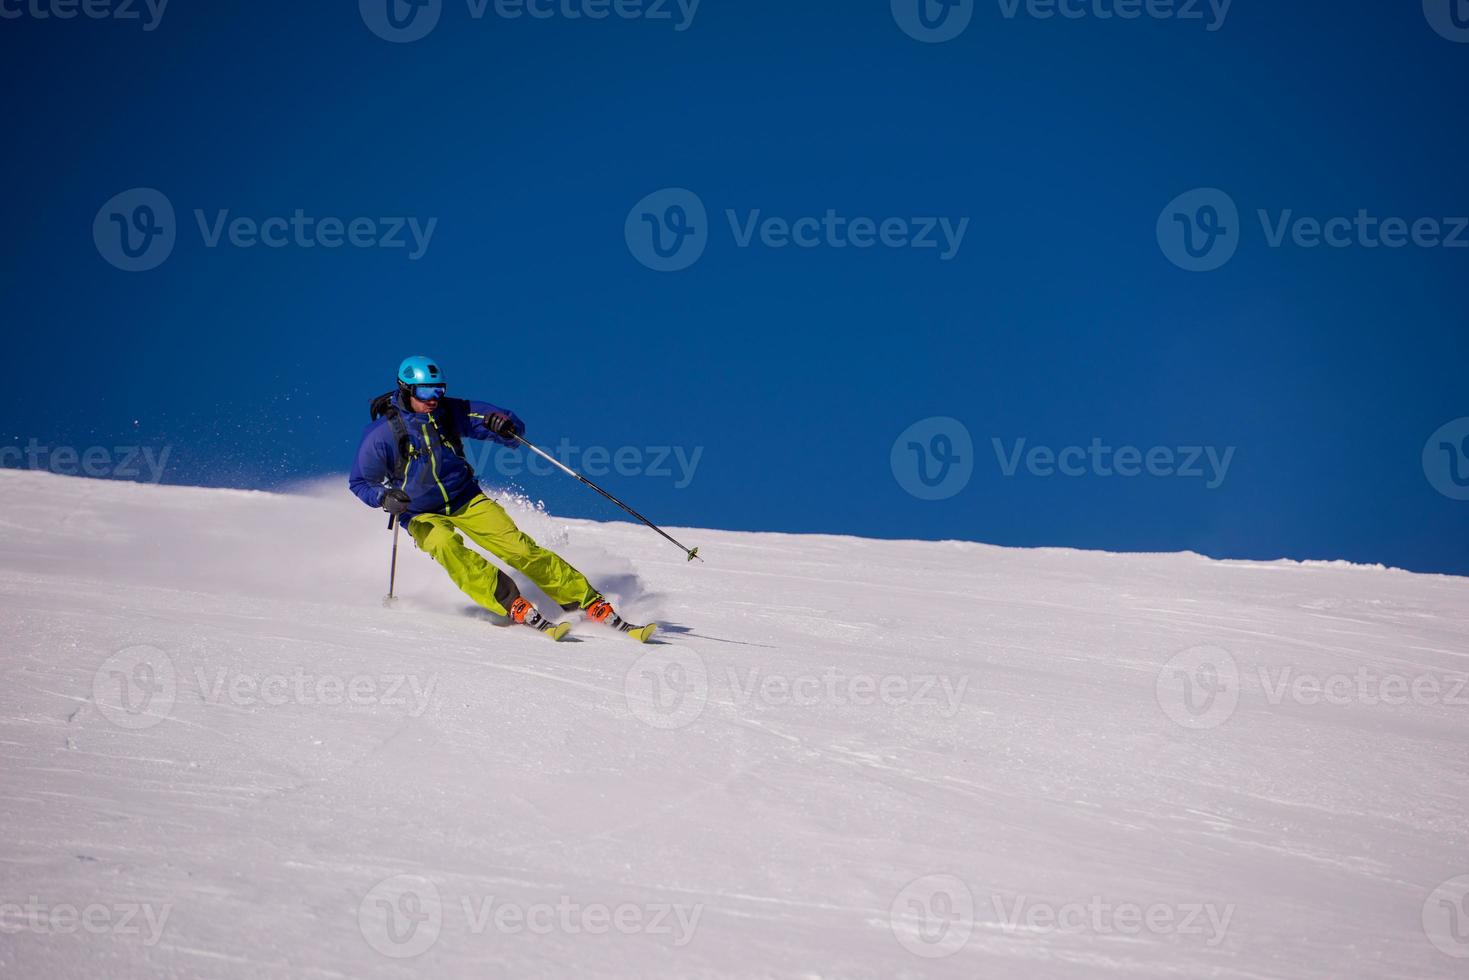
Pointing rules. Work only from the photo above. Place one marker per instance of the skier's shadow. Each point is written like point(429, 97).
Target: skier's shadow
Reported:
point(680, 630)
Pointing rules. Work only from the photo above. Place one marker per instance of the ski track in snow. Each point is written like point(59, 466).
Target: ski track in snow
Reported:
point(257, 825)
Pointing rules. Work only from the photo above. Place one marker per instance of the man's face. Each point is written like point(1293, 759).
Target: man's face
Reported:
point(425, 398)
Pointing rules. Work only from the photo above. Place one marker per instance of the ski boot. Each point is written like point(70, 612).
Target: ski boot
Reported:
point(522, 612)
point(600, 611)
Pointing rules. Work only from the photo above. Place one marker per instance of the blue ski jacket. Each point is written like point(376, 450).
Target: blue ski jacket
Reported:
point(435, 476)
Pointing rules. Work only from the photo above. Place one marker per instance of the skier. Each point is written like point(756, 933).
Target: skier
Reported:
point(411, 464)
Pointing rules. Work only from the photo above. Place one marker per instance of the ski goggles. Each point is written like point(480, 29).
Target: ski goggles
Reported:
point(428, 393)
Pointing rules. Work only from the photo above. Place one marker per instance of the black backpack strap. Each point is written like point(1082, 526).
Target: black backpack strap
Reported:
point(386, 406)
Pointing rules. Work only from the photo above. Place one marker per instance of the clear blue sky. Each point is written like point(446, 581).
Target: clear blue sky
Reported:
point(1059, 319)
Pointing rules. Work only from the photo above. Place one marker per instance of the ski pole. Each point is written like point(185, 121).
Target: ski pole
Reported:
point(393, 566)
point(691, 552)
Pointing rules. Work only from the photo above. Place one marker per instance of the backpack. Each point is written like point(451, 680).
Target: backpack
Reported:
point(386, 406)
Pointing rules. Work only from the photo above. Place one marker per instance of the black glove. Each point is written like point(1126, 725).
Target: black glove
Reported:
point(507, 427)
point(395, 501)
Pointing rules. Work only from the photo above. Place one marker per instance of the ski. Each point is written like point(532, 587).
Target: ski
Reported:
point(554, 630)
point(640, 633)
point(600, 611)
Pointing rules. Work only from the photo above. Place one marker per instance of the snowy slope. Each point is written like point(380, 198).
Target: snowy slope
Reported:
point(223, 757)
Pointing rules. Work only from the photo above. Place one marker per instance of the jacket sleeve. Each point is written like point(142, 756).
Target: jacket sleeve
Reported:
point(475, 422)
point(373, 464)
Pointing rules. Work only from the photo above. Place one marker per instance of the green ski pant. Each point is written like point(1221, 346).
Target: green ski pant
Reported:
point(487, 525)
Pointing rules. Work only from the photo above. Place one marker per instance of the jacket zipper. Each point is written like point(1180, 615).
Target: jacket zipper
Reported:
point(434, 463)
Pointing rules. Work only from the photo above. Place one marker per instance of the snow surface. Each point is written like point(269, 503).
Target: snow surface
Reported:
point(851, 758)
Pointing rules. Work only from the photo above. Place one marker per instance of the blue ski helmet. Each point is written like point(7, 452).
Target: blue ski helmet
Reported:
point(420, 370)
